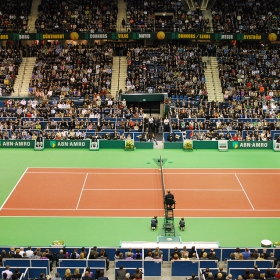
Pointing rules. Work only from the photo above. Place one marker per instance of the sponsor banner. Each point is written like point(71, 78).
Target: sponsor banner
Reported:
point(250, 145)
point(66, 144)
point(193, 36)
point(17, 143)
point(160, 35)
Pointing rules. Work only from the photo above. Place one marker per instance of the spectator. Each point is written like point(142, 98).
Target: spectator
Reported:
point(184, 256)
point(149, 257)
point(104, 255)
point(158, 251)
point(68, 275)
point(83, 250)
point(56, 276)
point(175, 252)
point(213, 256)
point(127, 276)
point(269, 273)
point(29, 252)
point(209, 276)
point(271, 257)
point(256, 272)
point(8, 272)
point(86, 276)
point(102, 277)
point(90, 272)
point(129, 256)
point(229, 277)
point(121, 272)
point(246, 254)
point(277, 274)
point(75, 254)
point(60, 256)
point(193, 277)
point(137, 255)
point(221, 275)
point(17, 254)
point(246, 274)
point(129, 251)
point(77, 274)
point(204, 256)
point(4, 255)
point(94, 253)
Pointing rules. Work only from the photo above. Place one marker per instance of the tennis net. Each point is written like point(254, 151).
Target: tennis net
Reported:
point(162, 179)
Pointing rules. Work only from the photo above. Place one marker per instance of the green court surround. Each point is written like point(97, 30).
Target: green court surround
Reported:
point(229, 232)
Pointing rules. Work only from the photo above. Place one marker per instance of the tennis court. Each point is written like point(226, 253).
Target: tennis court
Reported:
point(116, 192)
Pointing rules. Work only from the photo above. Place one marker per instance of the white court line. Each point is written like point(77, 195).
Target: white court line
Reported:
point(217, 173)
point(152, 173)
point(116, 189)
point(142, 209)
point(222, 168)
point(244, 191)
point(97, 173)
point(82, 191)
point(110, 168)
point(142, 217)
point(166, 173)
point(85, 209)
point(13, 189)
point(149, 168)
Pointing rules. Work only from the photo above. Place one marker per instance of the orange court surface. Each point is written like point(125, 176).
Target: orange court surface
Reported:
point(93, 192)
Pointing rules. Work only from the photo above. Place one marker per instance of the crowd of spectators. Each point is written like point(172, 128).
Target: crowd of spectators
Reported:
point(167, 15)
point(54, 258)
point(176, 254)
point(74, 15)
point(72, 71)
point(10, 61)
point(226, 120)
point(14, 16)
point(170, 68)
point(249, 80)
point(252, 16)
point(251, 90)
point(26, 119)
point(249, 72)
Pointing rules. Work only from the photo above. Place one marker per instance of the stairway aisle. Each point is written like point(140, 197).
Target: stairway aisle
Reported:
point(33, 15)
point(121, 15)
point(24, 75)
point(213, 82)
point(119, 74)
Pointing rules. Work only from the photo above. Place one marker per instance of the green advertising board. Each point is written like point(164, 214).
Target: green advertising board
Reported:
point(250, 144)
point(17, 143)
point(67, 144)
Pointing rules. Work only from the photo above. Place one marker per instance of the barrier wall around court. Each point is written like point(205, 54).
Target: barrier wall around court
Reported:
point(93, 263)
point(120, 144)
point(34, 263)
point(249, 264)
point(151, 268)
